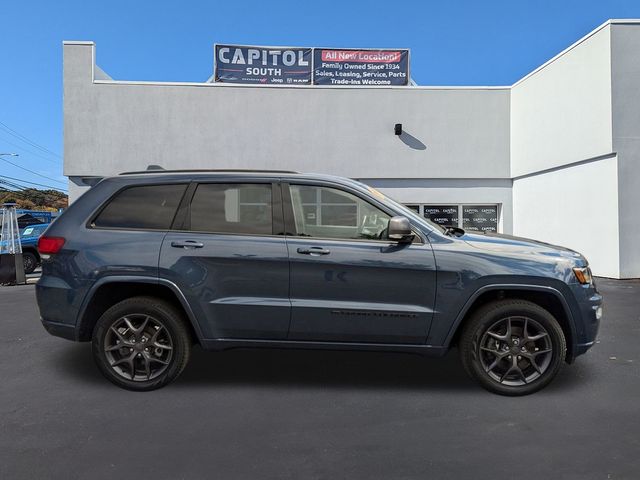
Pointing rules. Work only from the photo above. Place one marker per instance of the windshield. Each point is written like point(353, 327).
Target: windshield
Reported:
point(406, 211)
point(32, 231)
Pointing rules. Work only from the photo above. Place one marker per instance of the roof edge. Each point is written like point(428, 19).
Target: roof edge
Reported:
point(571, 47)
point(78, 42)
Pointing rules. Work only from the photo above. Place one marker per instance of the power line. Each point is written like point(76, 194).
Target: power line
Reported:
point(18, 190)
point(32, 183)
point(11, 131)
point(57, 162)
point(12, 185)
point(30, 171)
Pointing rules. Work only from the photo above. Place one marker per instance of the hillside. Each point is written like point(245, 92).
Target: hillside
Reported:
point(34, 199)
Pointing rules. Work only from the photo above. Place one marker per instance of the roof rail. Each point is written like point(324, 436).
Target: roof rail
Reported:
point(205, 170)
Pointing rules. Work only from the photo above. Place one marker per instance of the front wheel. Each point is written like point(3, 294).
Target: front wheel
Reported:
point(512, 347)
point(141, 343)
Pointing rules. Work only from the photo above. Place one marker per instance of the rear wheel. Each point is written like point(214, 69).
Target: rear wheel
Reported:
point(141, 343)
point(29, 261)
point(512, 347)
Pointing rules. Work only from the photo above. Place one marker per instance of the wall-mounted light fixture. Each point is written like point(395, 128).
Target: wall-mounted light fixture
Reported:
point(398, 129)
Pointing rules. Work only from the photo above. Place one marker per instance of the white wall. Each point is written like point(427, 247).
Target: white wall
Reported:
point(575, 207)
point(561, 112)
point(112, 127)
point(452, 191)
point(625, 46)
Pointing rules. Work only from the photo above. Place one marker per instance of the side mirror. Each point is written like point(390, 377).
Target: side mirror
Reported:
point(400, 230)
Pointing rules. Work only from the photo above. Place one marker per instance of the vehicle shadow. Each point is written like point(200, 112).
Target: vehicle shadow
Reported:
point(326, 368)
point(316, 368)
point(298, 368)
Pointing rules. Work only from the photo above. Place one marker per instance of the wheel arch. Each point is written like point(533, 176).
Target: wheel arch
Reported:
point(110, 290)
point(549, 298)
point(33, 250)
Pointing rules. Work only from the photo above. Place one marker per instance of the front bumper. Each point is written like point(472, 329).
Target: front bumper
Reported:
point(583, 348)
point(587, 317)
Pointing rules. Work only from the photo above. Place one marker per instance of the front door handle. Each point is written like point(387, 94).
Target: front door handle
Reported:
point(313, 251)
point(187, 244)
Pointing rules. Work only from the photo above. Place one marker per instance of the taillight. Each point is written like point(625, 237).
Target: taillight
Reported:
point(50, 245)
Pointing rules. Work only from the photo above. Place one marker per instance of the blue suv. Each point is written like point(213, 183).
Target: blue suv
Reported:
point(147, 264)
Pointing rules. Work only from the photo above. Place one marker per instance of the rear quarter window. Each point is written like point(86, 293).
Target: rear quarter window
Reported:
point(143, 207)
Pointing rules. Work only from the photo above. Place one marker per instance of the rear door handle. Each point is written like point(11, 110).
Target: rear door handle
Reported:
point(313, 251)
point(187, 244)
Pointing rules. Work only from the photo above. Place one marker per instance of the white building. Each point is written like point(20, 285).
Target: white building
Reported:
point(555, 157)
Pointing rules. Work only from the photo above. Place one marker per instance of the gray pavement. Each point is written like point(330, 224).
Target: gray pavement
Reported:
point(301, 415)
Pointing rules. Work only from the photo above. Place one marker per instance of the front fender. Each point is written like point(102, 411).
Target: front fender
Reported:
point(511, 286)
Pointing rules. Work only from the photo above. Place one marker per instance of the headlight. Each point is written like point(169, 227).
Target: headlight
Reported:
point(583, 274)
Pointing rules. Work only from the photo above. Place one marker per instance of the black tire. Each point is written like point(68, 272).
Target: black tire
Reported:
point(518, 367)
point(29, 261)
point(165, 332)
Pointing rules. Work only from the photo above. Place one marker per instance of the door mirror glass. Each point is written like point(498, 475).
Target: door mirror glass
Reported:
point(400, 229)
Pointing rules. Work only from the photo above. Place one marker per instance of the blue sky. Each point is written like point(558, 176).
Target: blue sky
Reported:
point(452, 43)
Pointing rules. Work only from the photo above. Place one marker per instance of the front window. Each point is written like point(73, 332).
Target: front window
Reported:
point(331, 213)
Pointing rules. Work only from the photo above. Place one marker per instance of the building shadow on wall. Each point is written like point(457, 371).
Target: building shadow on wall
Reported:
point(411, 141)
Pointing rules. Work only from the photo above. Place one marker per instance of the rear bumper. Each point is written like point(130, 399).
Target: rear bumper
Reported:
point(62, 330)
point(58, 304)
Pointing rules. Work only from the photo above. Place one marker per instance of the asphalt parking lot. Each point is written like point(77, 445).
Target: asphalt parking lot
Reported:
point(296, 414)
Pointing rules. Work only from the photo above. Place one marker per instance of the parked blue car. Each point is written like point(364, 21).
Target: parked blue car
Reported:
point(29, 240)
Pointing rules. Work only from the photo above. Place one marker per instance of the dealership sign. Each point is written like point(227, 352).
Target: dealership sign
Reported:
point(360, 67)
point(247, 64)
point(262, 65)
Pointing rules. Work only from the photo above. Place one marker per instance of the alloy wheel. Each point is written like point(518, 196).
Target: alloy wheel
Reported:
point(138, 347)
point(515, 351)
point(29, 263)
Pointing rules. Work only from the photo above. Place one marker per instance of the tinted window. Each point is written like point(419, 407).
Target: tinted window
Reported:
point(415, 208)
point(151, 206)
point(445, 215)
point(332, 213)
point(480, 218)
point(232, 208)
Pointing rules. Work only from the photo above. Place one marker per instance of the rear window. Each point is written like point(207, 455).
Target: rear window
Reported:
point(145, 207)
point(232, 208)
